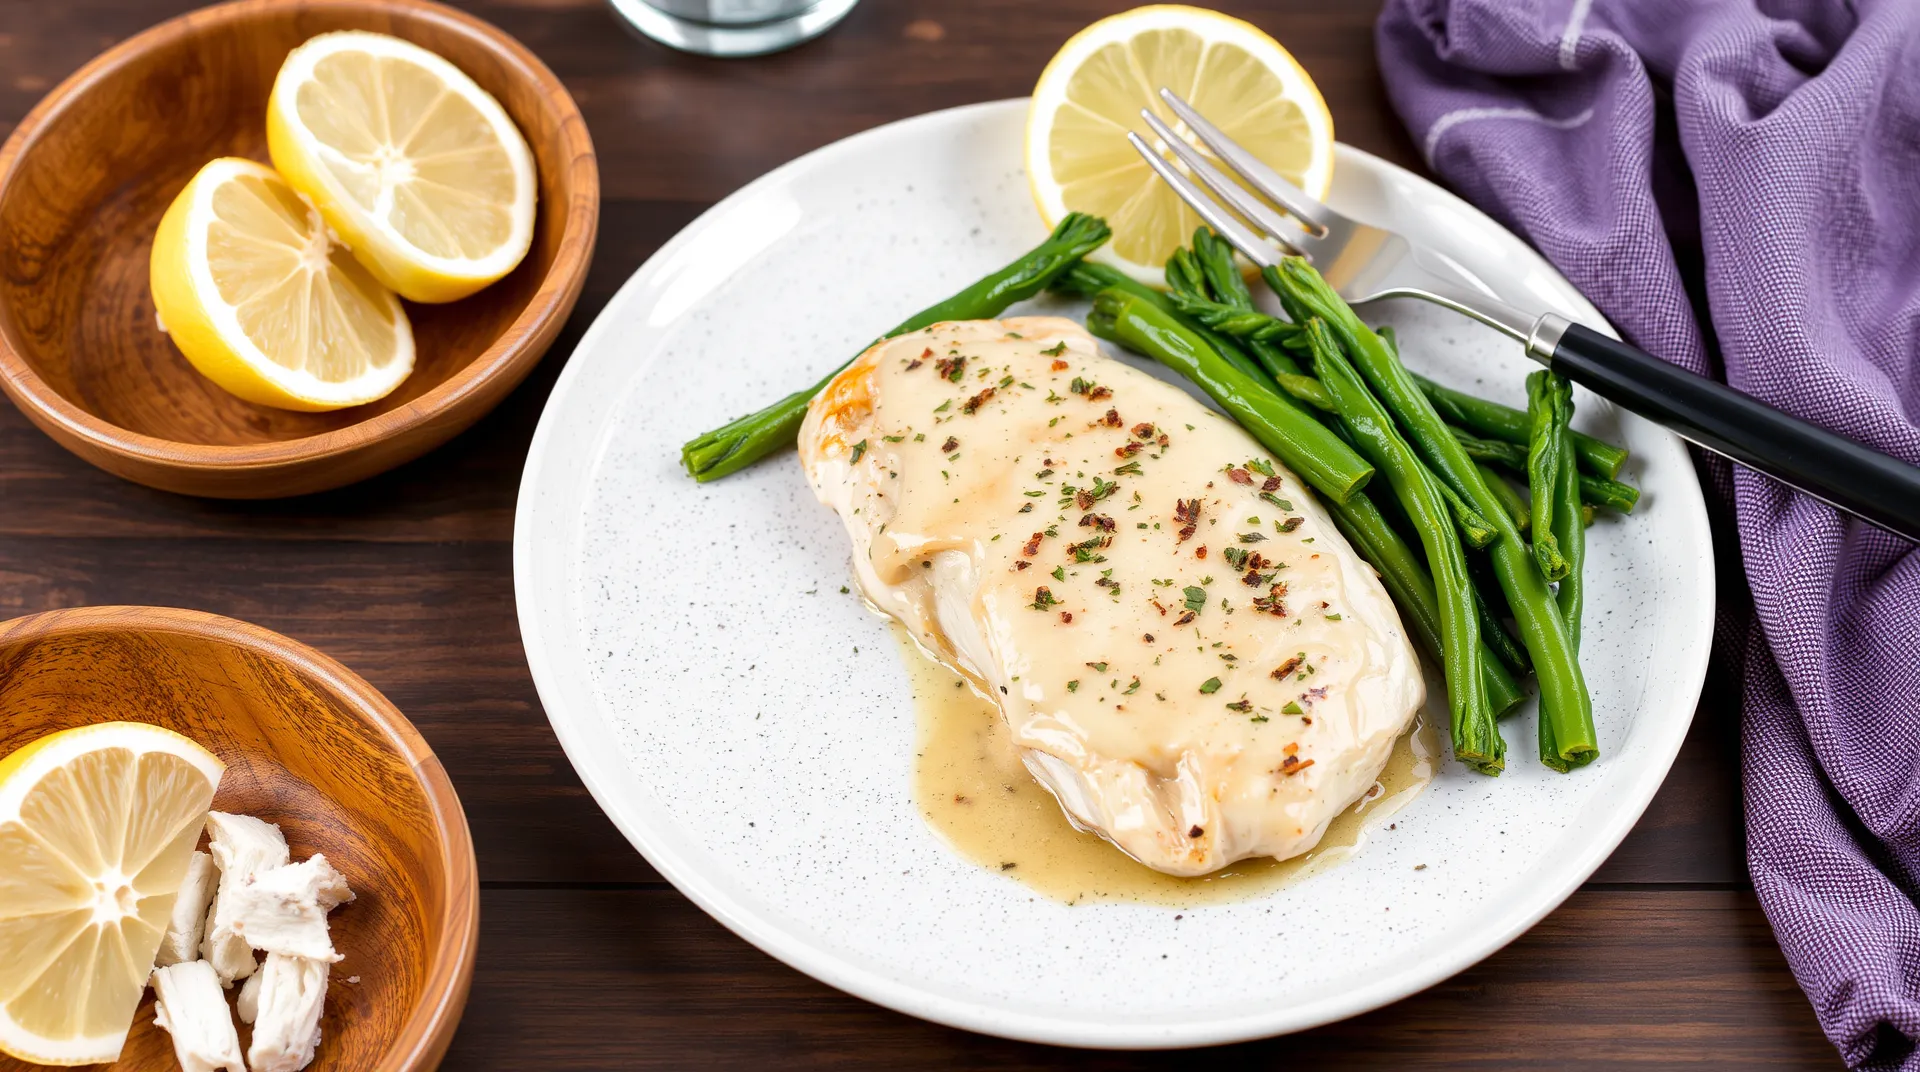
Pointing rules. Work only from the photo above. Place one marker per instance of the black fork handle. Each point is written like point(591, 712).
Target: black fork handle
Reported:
point(1857, 479)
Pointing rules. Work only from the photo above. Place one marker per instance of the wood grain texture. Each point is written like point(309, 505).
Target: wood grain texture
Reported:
point(587, 960)
point(87, 174)
point(309, 746)
point(1665, 979)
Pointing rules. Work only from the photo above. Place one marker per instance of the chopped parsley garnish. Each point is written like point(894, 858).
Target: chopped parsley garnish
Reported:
point(1129, 469)
point(943, 407)
point(859, 449)
point(1132, 688)
point(1260, 467)
point(1074, 685)
point(1252, 537)
point(1276, 500)
point(893, 438)
point(1099, 668)
point(1236, 557)
point(1333, 617)
point(1043, 598)
point(1059, 573)
point(1056, 349)
point(1292, 708)
point(1210, 686)
point(1196, 598)
point(1242, 706)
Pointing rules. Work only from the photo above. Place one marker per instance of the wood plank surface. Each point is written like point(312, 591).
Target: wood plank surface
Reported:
point(589, 960)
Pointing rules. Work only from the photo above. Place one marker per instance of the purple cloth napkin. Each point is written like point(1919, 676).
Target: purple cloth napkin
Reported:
point(1736, 183)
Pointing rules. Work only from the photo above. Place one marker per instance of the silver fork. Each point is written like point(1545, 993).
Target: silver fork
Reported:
point(1365, 263)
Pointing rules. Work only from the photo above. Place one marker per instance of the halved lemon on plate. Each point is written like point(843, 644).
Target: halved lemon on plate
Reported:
point(1090, 96)
point(97, 824)
point(262, 300)
point(415, 166)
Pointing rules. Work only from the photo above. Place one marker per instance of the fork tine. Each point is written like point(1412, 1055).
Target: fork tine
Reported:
point(1223, 222)
point(1257, 174)
point(1235, 195)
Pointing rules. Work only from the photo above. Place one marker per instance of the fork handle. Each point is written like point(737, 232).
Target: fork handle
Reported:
point(1861, 481)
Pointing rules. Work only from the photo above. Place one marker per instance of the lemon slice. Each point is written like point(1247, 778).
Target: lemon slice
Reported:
point(264, 303)
point(96, 827)
point(1091, 94)
point(415, 166)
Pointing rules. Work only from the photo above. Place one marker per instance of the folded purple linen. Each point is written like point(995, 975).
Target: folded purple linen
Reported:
point(1736, 185)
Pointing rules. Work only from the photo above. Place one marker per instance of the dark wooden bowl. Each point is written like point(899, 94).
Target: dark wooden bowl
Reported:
point(310, 746)
point(87, 174)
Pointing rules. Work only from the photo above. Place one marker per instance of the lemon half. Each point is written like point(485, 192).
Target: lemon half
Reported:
point(97, 824)
point(418, 169)
point(1090, 96)
point(264, 303)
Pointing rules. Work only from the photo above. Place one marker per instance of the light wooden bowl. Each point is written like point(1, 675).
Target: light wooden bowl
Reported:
point(310, 746)
point(87, 174)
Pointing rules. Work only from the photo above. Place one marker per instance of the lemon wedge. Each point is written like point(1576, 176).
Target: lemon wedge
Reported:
point(1091, 94)
point(264, 303)
point(417, 168)
point(97, 825)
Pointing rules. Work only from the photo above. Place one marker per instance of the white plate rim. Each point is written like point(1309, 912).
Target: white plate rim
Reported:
point(600, 768)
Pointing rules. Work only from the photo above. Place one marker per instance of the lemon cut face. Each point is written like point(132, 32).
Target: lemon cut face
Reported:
point(260, 298)
point(1090, 97)
point(418, 169)
point(96, 828)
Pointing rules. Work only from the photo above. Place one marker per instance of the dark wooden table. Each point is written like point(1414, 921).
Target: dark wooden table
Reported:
point(588, 959)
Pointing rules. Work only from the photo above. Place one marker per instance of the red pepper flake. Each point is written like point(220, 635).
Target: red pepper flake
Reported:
point(1148, 637)
point(1200, 551)
point(1033, 544)
point(973, 404)
point(1272, 483)
point(1066, 617)
point(1112, 419)
point(1185, 617)
point(1143, 430)
point(1163, 440)
point(1196, 832)
point(1291, 748)
point(1252, 579)
point(1021, 563)
point(952, 444)
point(1291, 523)
point(1059, 365)
point(1272, 601)
point(1280, 673)
point(1187, 512)
point(1099, 393)
point(951, 367)
point(1098, 521)
point(1129, 450)
point(1294, 765)
point(1240, 476)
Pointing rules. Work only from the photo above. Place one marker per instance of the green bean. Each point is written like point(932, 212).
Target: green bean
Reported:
point(1564, 703)
point(1305, 445)
point(1306, 389)
point(1594, 490)
point(1493, 632)
point(1476, 738)
point(1405, 578)
point(741, 442)
point(1476, 530)
point(1509, 424)
point(1571, 533)
point(1549, 399)
point(1509, 498)
point(1088, 278)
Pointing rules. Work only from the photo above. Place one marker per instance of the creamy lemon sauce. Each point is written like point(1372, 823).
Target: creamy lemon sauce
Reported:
point(969, 784)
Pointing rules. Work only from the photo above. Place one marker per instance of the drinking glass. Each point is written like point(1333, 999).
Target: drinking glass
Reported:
point(731, 27)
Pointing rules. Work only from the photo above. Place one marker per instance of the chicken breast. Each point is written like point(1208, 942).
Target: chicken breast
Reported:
point(1187, 653)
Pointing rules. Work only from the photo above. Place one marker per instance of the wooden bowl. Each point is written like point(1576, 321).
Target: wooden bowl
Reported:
point(310, 746)
point(87, 174)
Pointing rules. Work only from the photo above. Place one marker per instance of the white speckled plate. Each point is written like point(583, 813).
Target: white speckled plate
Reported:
point(749, 728)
